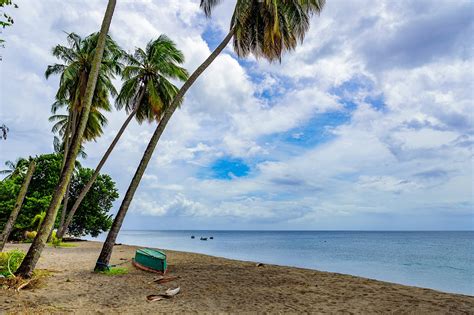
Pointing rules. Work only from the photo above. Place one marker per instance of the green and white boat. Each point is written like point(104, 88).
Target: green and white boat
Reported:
point(150, 260)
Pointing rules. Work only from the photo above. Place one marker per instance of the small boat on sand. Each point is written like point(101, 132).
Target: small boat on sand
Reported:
point(151, 260)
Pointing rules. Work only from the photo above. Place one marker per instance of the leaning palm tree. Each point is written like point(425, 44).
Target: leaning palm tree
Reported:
point(145, 94)
point(265, 28)
point(18, 204)
point(58, 146)
point(29, 262)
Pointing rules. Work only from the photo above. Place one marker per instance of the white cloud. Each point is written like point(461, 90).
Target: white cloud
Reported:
point(411, 155)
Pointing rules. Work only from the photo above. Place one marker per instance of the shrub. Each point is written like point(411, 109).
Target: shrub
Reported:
point(30, 235)
point(54, 239)
point(10, 261)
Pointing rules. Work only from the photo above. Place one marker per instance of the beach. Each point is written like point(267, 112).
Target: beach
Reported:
point(213, 285)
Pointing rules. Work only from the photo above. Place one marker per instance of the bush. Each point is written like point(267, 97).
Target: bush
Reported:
point(10, 261)
point(54, 239)
point(30, 235)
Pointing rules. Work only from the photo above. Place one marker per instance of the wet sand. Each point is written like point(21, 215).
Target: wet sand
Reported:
point(214, 285)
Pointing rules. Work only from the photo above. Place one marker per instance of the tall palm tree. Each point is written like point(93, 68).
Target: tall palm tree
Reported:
point(29, 262)
point(74, 72)
point(145, 94)
point(265, 28)
point(77, 57)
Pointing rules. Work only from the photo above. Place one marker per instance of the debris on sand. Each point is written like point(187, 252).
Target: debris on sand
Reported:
point(168, 294)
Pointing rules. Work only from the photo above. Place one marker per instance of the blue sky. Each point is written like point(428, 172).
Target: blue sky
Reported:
point(366, 125)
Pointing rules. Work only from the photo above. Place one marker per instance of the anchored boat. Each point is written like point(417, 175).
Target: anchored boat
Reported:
point(150, 260)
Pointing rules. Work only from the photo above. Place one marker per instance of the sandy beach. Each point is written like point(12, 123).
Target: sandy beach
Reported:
point(214, 285)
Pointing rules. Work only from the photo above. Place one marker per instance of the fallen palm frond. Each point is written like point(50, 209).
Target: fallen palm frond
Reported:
point(168, 294)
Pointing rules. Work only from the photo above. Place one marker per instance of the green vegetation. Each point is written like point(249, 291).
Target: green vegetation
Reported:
point(92, 216)
point(114, 271)
point(62, 244)
point(5, 18)
point(10, 261)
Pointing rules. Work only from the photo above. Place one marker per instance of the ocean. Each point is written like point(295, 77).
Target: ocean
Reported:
point(438, 260)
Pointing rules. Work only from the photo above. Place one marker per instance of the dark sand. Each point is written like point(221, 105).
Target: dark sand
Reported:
point(214, 285)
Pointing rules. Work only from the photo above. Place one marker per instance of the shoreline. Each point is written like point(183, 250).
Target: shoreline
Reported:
point(414, 259)
point(215, 284)
point(284, 266)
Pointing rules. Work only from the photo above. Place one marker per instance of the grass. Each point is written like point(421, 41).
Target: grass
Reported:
point(62, 244)
point(115, 271)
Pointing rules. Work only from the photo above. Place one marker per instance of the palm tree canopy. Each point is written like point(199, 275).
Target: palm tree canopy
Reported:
point(268, 28)
point(15, 168)
point(58, 146)
point(147, 78)
point(95, 123)
point(77, 61)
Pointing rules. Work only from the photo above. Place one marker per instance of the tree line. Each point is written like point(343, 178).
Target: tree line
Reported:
point(92, 217)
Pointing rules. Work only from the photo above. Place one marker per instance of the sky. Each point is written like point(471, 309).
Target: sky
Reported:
point(367, 125)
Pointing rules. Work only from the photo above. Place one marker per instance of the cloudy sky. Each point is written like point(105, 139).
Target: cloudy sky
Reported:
point(367, 125)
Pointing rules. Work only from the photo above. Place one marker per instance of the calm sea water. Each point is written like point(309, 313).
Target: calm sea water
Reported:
point(437, 260)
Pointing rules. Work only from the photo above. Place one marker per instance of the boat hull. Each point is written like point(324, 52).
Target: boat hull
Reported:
point(150, 260)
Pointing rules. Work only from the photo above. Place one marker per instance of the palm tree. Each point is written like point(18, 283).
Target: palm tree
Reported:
point(29, 262)
point(77, 58)
point(145, 94)
point(15, 168)
point(267, 29)
point(58, 146)
point(18, 204)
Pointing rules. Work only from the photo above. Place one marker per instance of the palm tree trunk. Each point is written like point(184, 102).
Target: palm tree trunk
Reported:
point(64, 210)
point(65, 152)
point(66, 141)
point(28, 265)
point(104, 257)
point(63, 227)
point(19, 202)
